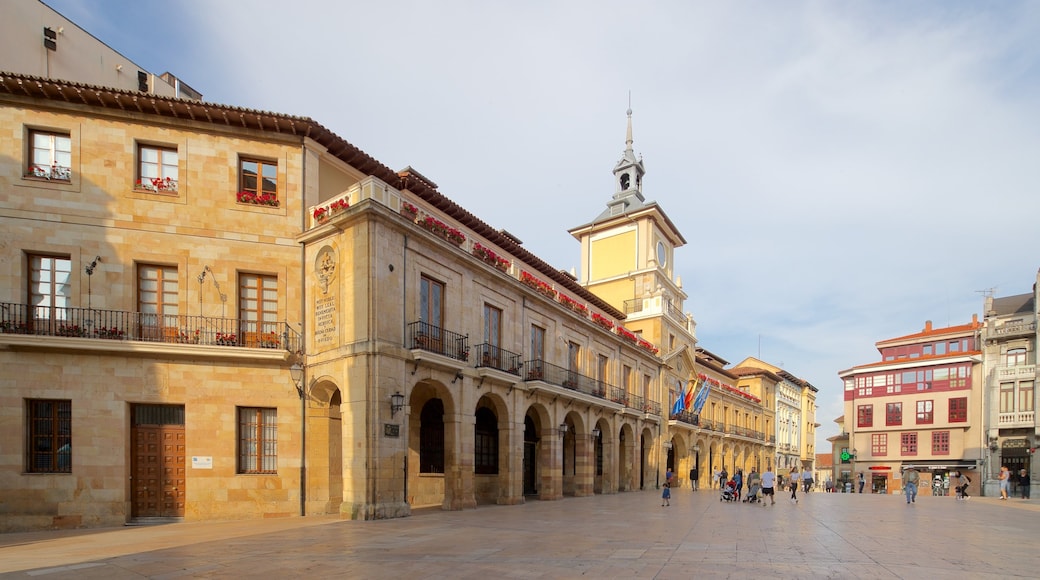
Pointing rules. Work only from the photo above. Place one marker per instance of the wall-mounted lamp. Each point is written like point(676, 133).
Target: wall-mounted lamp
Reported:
point(596, 433)
point(396, 403)
point(458, 375)
point(667, 444)
point(90, 273)
point(697, 448)
point(296, 374)
point(563, 429)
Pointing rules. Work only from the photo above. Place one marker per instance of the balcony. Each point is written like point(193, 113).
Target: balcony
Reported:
point(1012, 329)
point(687, 417)
point(1016, 419)
point(20, 322)
point(491, 356)
point(448, 348)
point(1016, 372)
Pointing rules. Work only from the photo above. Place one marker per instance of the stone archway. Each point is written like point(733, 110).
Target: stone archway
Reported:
point(324, 462)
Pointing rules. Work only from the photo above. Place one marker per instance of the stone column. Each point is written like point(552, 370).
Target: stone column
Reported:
point(458, 462)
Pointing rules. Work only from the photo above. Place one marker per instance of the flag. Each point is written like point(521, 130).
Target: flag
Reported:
point(680, 401)
point(689, 396)
point(702, 397)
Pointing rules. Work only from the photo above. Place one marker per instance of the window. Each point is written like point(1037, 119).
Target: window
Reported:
point(924, 412)
point(1015, 357)
point(601, 368)
point(941, 442)
point(1025, 396)
point(49, 442)
point(879, 444)
point(49, 290)
point(908, 443)
point(258, 310)
point(1007, 397)
point(626, 377)
point(431, 303)
point(894, 414)
point(492, 333)
point(156, 168)
point(258, 182)
point(157, 291)
point(959, 410)
point(865, 416)
point(431, 437)
point(50, 155)
point(257, 440)
point(485, 442)
point(537, 342)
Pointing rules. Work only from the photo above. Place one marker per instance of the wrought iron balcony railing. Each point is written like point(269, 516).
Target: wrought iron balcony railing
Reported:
point(425, 336)
point(687, 417)
point(143, 327)
point(489, 355)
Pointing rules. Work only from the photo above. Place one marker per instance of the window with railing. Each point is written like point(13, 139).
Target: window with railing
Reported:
point(49, 442)
point(1025, 396)
point(50, 155)
point(493, 332)
point(258, 309)
point(257, 440)
point(49, 288)
point(157, 299)
point(1007, 397)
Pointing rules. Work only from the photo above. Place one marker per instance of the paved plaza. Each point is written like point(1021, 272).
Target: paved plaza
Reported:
point(627, 535)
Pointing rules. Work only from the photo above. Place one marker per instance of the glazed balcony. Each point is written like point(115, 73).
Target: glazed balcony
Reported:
point(20, 323)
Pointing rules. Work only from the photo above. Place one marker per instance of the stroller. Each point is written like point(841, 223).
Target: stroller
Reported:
point(729, 491)
point(752, 494)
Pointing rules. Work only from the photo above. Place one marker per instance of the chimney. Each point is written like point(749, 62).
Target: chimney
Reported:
point(927, 325)
point(974, 319)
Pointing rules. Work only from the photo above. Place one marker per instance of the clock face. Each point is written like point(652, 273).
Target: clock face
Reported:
point(662, 254)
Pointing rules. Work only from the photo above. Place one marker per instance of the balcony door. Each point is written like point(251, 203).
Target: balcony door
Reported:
point(431, 314)
point(492, 336)
point(157, 301)
point(49, 290)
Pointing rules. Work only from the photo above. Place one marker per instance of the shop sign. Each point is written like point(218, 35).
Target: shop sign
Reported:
point(1015, 444)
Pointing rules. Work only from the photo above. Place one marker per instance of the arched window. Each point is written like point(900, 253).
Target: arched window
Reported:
point(431, 437)
point(485, 442)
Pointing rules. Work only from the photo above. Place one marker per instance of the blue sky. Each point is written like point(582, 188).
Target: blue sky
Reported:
point(842, 171)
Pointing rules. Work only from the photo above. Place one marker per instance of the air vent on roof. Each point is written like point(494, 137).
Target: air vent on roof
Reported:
point(515, 239)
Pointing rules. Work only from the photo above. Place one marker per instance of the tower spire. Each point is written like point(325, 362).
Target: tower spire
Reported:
point(628, 173)
point(628, 133)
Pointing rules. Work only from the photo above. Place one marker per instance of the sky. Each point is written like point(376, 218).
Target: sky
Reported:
point(842, 171)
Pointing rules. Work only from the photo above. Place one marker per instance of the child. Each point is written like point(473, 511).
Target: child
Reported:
point(666, 495)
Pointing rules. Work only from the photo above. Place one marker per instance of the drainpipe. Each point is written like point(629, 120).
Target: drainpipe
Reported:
point(303, 337)
point(404, 322)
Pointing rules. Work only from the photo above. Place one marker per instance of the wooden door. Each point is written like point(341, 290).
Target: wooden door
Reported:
point(158, 467)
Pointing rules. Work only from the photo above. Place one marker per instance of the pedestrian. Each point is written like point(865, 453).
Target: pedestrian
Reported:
point(1023, 483)
point(862, 481)
point(807, 480)
point(738, 479)
point(668, 475)
point(666, 495)
point(768, 481)
point(962, 489)
point(1005, 481)
point(910, 480)
point(723, 477)
point(793, 482)
point(754, 485)
point(715, 474)
point(693, 478)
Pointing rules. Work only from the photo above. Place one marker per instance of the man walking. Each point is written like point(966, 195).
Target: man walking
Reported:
point(910, 480)
point(693, 477)
point(768, 481)
point(807, 480)
point(862, 482)
point(794, 480)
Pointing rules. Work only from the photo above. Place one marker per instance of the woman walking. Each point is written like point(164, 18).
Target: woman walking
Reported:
point(794, 484)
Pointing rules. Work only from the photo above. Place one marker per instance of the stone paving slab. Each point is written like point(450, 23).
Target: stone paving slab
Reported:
point(628, 535)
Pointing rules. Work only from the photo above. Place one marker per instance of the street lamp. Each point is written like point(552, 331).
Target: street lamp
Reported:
point(563, 429)
point(296, 374)
point(396, 403)
point(596, 433)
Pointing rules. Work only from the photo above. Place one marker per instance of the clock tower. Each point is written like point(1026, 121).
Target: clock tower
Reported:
point(627, 258)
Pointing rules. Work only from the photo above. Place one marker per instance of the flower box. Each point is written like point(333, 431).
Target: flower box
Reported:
point(325, 212)
point(186, 338)
point(10, 327)
point(226, 339)
point(157, 185)
point(442, 229)
point(575, 306)
point(109, 333)
point(603, 321)
point(539, 286)
point(50, 172)
point(626, 334)
point(648, 346)
point(70, 330)
point(490, 257)
point(409, 211)
point(251, 197)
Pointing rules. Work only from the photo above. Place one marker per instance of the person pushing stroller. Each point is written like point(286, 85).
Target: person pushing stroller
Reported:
point(754, 483)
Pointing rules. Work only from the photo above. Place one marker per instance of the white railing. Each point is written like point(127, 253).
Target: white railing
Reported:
point(1016, 372)
point(1018, 418)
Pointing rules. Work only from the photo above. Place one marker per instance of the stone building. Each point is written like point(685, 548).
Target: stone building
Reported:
point(225, 313)
point(1009, 337)
point(921, 405)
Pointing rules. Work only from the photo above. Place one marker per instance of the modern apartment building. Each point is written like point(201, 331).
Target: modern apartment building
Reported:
point(38, 41)
point(1009, 336)
point(921, 405)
